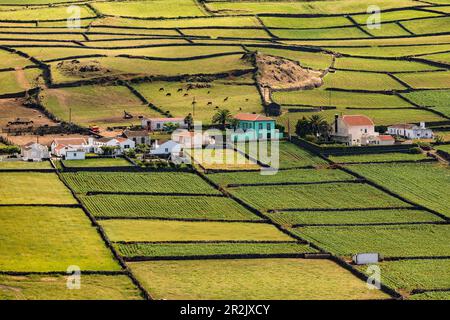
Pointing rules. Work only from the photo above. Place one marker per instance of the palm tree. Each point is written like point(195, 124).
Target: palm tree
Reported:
point(317, 124)
point(189, 120)
point(222, 117)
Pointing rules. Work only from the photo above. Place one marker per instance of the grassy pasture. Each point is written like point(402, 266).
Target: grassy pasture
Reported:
point(426, 26)
point(398, 241)
point(241, 98)
point(11, 60)
point(227, 33)
point(55, 13)
point(387, 30)
point(426, 80)
point(97, 162)
point(93, 287)
point(438, 57)
point(415, 274)
point(305, 23)
point(223, 159)
point(193, 249)
point(426, 184)
point(251, 279)
point(349, 217)
point(304, 175)
point(336, 195)
point(18, 81)
point(396, 15)
point(331, 33)
point(152, 8)
point(361, 81)
point(47, 189)
point(445, 148)
point(436, 99)
point(153, 230)
point(95, 105)
point(380, 65)
point(175, 207)
point(50, 239)
point(379, 157)
point(24, 165)
point(171, 182)
point(124, 43)
point(392, 51)
point(444, 295)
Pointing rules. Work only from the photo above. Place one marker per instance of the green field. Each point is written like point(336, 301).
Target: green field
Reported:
point(50, 239)
point(397, 241)
point(24, 165)
point(168, 207)
point(99, 162)
point(380, 65)
point(165, 182)
point(379, 157)
point(135, 230)
point(251, 279)
point(426, 80)
point(435, 99)
point(425, 184)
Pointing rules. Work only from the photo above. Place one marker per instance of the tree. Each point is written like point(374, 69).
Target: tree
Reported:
point(109, 150)
point(222, 117)
point(189, 121)
point(318, 124)
point(233, 123)
point(302, 128)
point(170, 127)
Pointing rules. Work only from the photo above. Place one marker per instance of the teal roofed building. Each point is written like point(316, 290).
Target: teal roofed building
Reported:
point(255, 127)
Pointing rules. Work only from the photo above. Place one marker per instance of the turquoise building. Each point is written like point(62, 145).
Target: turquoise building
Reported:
point(255, 127)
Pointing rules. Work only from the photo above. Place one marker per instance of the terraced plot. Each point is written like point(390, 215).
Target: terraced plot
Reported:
point(221, 159)
point(379, 157)
point(24, 165)
point(380, 65)
point(97, 162)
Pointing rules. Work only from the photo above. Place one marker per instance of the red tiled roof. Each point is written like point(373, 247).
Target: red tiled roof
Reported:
point(71, 141)
point(252, 117)
point(357, 120)
point(165, 119)
point(385, 137)
point(121, 139)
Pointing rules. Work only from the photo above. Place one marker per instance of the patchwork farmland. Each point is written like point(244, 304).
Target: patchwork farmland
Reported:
point(224, 231)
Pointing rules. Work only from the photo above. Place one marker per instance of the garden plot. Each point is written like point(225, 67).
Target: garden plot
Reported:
point(156, 182)
point(177, 98)
point(282, 176)
point(379, 157)
point(354, 80)
point(251, 279)
point(221, 159)
point(33, 188)
point(352, 217)
point(51, 239)
point(97, 163)
point(390, 241)
point(153, 230)
point(96, 105)
point(167, 207)
point(426, 184)
point(408, 275)
point(427, 26)
point(210, 249)
point(318, 196)
point(49, 287)
point(152, 8)
point(428, 80)
point(381, 65)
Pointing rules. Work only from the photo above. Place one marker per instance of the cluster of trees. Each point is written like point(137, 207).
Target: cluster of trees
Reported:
point(315, 126)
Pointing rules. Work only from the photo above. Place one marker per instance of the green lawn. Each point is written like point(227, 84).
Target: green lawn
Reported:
point(25, 165)
point(426, 184)
point(97, 162)
point(285, 279)
point(93, 287)
point(379, 157)
point(152, 230)
point(33, 188)
point(180, 207)
point(50, 239)
point(398, 241)
point(361, 81)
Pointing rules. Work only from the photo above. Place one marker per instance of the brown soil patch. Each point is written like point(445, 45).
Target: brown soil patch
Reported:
point(11, 109)
point(279, 73)
point(45, 139)
point(82, 69)
point(22, 79)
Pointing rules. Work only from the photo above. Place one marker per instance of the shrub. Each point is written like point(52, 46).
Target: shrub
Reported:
point(415, 150)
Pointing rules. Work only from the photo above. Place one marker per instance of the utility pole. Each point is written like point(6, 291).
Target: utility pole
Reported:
point(193, 107)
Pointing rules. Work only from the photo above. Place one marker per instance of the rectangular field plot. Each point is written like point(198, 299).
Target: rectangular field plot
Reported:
point(380, 65)
point(427, 26)
point(221, 159)
point(426, 184)
point(407, 275)
point(251, 279)
point(227, 33)
point(33, 188)
point(317, 196)
point(151, 9)
point(282, 176)
point(152, 230)
point(396, 15)
point(24, 165)
point(50, 239)
point(428, 80)
point(157, 182)
point(379, 157)
point(209, 249)
point(392, 51)
point(42, 14)
point(305, 23)
point(97, 163)
point(438, 57)
point(389, 241)
point(177, 99)
point(289, 155)
point(331, 33)
point(442, 295)
point(49, 287)
point(352, 217)
point(11, 60)
point(109, 102)
point(17, 81)
point(435, 99)
point(167, 207)
point(361, 81)
point(387, 30)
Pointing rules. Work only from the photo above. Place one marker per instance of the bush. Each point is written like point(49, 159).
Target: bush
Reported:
point(311, 138)
point(415, 150)
point(9, 150)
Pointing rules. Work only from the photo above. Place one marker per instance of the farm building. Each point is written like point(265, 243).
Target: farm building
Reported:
point(59, 147)
point(139, 137)
point(168, 148)
point(411, 131)
point(159, 123)
point(72, 154)
point(255, 127)
point(357, 130)
point(189, 139)
point(34, 151)
point(121, 143)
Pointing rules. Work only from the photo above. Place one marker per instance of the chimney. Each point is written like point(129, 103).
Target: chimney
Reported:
point(422, 125)
point(336, 117)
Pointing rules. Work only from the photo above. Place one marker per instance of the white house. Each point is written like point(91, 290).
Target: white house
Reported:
point(122, 144)
point(60, 146)
point(357, 130)
point(75, 154)
point(33, 151)
point(168, 148)
point(159, 123)
point(189, 139)
point(411, 131)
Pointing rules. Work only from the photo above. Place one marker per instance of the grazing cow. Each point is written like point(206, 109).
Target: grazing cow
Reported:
point(240, 109)
point(209, 103)
point(161, 89)
point(168, 94)
point(180, 90)
point(226, 99)
point(185, 95)
point(216, 107)
point(209, 92)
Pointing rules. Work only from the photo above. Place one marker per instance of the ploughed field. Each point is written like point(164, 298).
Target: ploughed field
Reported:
point(140, 234)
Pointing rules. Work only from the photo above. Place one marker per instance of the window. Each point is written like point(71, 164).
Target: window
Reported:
point(268, 126)
point(158, 125)
point(167, 149)
point(142, 140)
point(365, 130)
point(127, 146)
point(74, 154)
point(260, 126)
